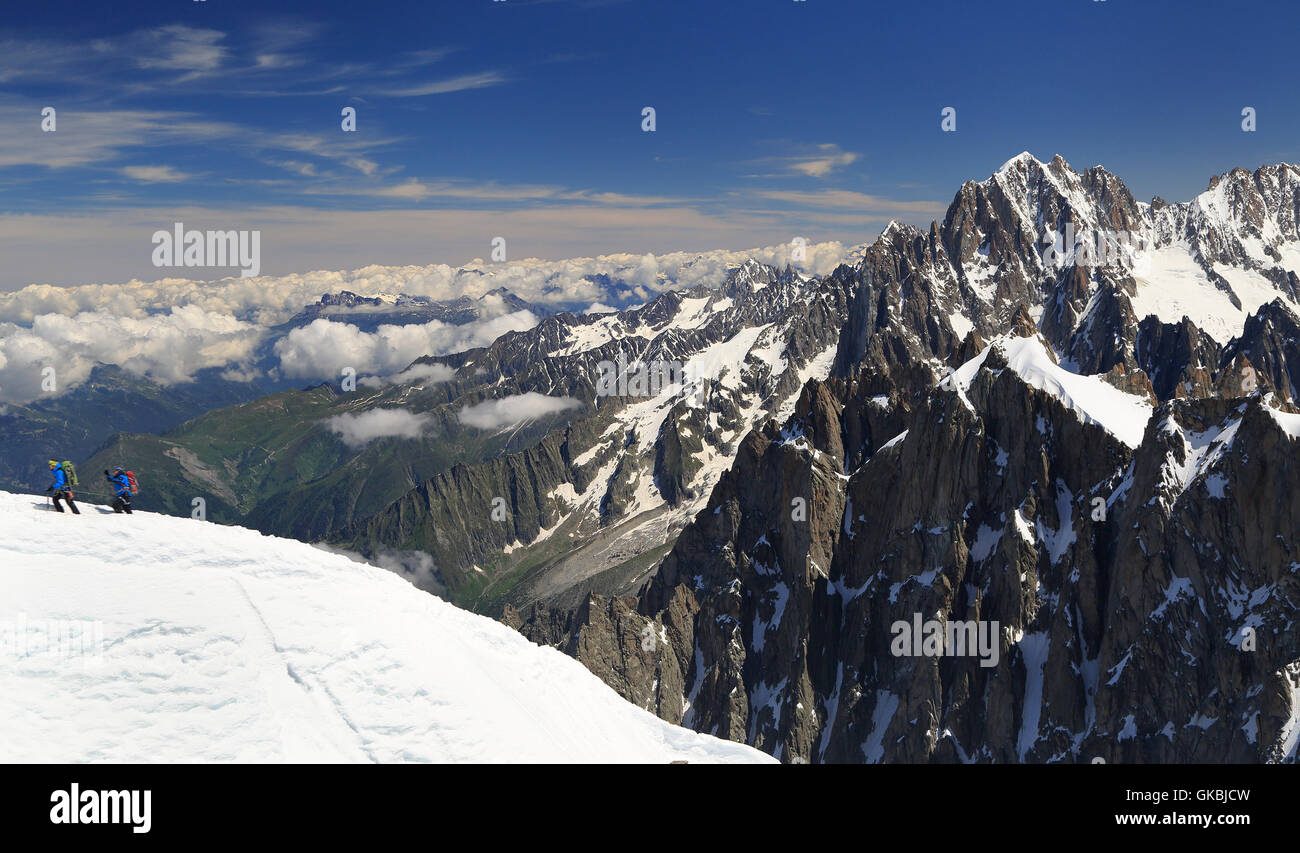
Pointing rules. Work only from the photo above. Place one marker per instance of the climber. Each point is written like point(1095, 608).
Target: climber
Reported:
point(65, 478)
point(123, 483)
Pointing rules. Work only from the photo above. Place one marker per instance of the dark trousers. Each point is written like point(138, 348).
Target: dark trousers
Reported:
point(122, 503)
point(67, 496)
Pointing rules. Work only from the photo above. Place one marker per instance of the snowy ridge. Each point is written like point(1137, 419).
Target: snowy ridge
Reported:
point(1121, 414)
point(224, 645)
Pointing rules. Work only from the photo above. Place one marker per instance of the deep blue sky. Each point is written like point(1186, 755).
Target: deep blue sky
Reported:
point(775, 117)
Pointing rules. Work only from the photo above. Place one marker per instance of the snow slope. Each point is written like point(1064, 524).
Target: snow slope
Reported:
point(221, 644)
point(1172, 285)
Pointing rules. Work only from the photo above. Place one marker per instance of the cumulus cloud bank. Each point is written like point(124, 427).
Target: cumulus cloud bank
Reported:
point(321, 349)
point(168, 348)
point(357, 429)
point(170, 328)
point(268, 300)
point(493, 414)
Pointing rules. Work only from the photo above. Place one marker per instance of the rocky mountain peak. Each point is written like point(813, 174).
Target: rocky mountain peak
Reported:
point(1094, 481)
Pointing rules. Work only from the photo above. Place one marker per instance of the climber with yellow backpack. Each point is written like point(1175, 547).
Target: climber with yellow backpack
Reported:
point(65, 477)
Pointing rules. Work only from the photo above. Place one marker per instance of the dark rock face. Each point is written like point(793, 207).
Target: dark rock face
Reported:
point(1095, 512)
point(1270, 341)
point(1122, 583)
point(1179, 358)
point(453, 513)
point(1200, 649)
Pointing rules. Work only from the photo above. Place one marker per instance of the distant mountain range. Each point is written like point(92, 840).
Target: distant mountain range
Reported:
point(369, 312)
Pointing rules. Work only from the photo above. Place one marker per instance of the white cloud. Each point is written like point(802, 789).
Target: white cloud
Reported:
point(321, 349)
point(415, 566)
point(813, 161)
point(168, 348)
point(429, 373)
point(270, 300)
point(89, 135)
point(115, 246)
point(479, 80)
point(828, 158)
point(357, 429)
point(870, 205)
point(362, 165)
point(493, 414)
point(155, 174)
point(239, 374)
point(170, 328)
point(425, 372)
point(175, 47)
point(413, 189)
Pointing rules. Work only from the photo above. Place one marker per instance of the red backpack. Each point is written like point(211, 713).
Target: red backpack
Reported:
point(130, 479)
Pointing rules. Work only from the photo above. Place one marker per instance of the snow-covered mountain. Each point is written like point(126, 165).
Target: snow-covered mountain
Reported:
point(149, 638)
point(636, 462)
point(1091, 451)
point(1088, 262)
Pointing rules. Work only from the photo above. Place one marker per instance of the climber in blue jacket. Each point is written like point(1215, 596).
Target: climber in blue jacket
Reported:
point(121, 489)
point(60, 488)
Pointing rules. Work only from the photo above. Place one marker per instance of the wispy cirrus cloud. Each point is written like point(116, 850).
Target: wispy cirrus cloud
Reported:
point(98, 138)
point(828, 158)
point(813, 161)
point(175, 47)
point(125, 62)
point(416, 190)
point(837, 199)
point(326, 197)
point(88, 137)
point(461, 83)
point(362, 165)
point(273, 58)
point(155, 174)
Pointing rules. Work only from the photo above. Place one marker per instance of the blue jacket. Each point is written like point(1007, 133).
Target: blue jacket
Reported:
point(121, 485)
point(60, 479)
